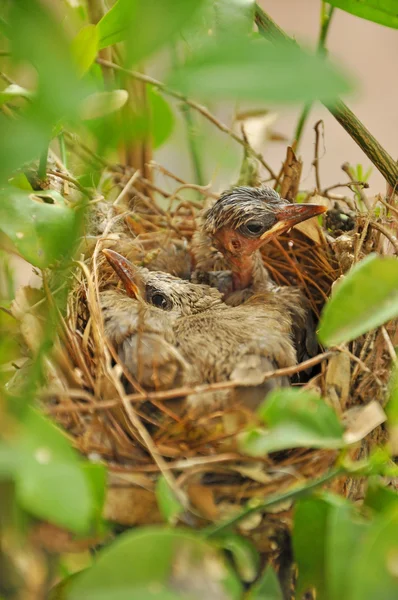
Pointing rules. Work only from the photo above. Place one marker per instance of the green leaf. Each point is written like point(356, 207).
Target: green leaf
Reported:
point(168, 504)
point(146, 26)
point(57, 492)
point(234, 16)
point(245, 69)
point(346, 530)
point(41, 232)
point(296, 418)
point(244, 554)
point(50, 481)
point(366, 298)
point(309, 536)
point(266, 588)
point(21, 182)
point(373, 573)
point(379, 497)
point(384, 12)
point(100, 104)
point(162, 118)
point(327, 530)
point(14, 91)
point(153, 562)
point(85, 47)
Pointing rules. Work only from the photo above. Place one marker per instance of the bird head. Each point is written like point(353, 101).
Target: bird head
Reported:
point(245, 218)
point(161, 290)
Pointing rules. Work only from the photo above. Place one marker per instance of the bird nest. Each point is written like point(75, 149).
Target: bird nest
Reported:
point(141, 435)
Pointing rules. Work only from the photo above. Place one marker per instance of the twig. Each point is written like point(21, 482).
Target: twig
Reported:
point(315, 162)
point(199, 389)
point(198, 107)
point(387, 233)
point(152, 449)
point(127, 187)
point(387, 166)
point(387, 205)
point(389, 344)
point(326, 17)
point(70, 179)
point(346, 168)
point(326, 191)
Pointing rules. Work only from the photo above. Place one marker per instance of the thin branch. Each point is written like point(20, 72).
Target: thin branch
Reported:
point(339, 185)
point(387, 166)
point(315, 162)
point(346, 168)
point(387, 233)
point(198, 107)
point(199, 389)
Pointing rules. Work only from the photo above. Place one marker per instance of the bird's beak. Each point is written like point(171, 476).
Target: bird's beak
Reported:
point(291, 214)
point(125, 270)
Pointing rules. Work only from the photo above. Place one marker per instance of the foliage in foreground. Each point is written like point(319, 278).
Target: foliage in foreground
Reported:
point(344, 551)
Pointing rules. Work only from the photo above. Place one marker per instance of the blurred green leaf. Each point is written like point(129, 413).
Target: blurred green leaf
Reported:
point(50, 481)
point(345, 532)
point(295, 418)
point(383, 12)
point(146, 26)
point(266, 588)
point(162, 118)
point(234, 16)
point(169, 505)
point(326, 533)
point(245, 69)
point(373, 573)
point(96, 476)
point(153, 562)
point(101, 104)
point(21, 182)
point(59, 90)
point(366, 298)
point(41, 232)
point(85, 47)
point(379, 497)
point(13, 91)
point(309, 536)
point(244, 554)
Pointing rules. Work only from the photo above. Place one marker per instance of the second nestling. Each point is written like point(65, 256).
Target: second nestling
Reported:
point(187, 329)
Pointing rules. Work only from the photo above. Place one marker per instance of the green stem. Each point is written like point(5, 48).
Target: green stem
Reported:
point(296, 492)
point(353, 126)
point(42, 170)
point(326, 17)
point(190, 127)
point(62, 150)
point(193, 145)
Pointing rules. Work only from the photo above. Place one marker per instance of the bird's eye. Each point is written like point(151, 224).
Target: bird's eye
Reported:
point(252, 228)
point(160, 300)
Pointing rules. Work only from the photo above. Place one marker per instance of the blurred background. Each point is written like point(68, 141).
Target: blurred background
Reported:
point(368, 53)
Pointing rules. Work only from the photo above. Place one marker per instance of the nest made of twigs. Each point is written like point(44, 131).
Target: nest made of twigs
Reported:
point(138, 435)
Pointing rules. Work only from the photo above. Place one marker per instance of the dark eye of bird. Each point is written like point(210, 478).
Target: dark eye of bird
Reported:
point(158, 298)
point(160, 301)
point(252, 228)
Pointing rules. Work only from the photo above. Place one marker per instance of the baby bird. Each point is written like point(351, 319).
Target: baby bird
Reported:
point(232, 232)
point(227, 246)
point(218, 342)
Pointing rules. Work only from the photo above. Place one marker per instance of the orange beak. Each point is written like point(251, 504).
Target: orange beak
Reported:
point(289, 215)
point(125, 270)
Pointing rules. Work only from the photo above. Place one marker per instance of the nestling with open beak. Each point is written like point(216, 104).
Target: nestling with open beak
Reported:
point(227, 252)
point(233, 230)
point(218, 342)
